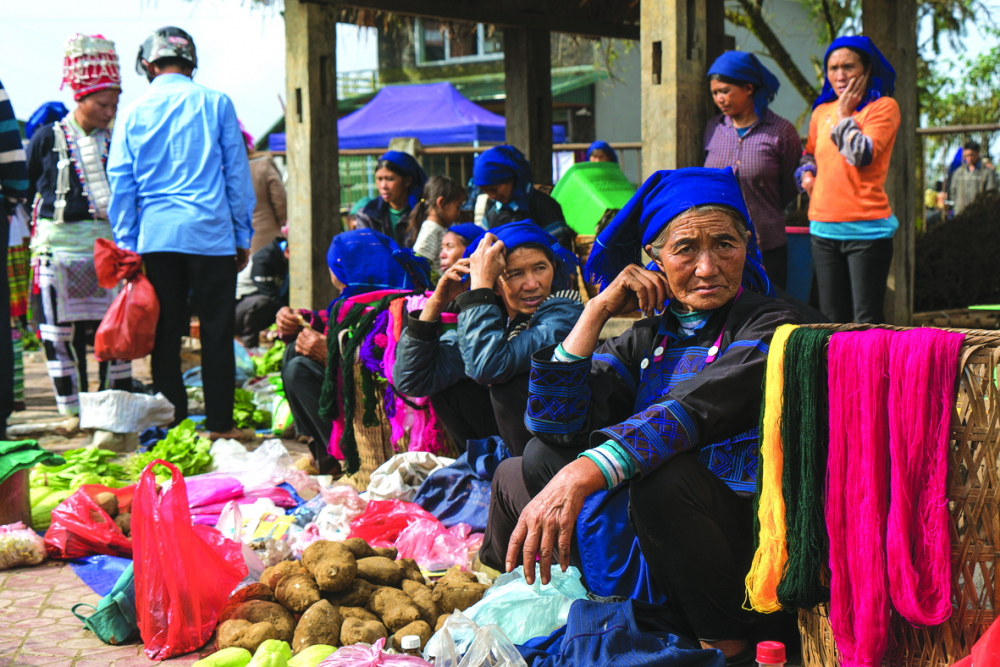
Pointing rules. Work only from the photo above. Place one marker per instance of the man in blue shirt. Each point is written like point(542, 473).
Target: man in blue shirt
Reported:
point(183, 199)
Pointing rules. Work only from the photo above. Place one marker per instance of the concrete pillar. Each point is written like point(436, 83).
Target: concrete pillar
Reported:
point(892, 25)
point(528, 86)
point(313, 159)
point(676, 38)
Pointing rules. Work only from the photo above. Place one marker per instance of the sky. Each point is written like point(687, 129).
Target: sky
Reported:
point(241, 50)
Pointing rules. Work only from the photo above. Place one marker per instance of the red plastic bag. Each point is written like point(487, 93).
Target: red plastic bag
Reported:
point(384, 520)
point(128, 330)
point(81, 528)
point(986, 650)
point(435, 547)
point(183, 573)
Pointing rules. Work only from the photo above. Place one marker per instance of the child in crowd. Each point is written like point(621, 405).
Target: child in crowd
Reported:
point(436, 211)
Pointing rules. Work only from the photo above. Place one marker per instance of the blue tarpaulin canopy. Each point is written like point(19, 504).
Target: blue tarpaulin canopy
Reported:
point(434, 113)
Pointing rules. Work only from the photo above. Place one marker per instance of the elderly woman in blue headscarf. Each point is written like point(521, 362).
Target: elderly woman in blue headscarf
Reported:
point(514, 297)
point(664, 415)
point(762, 148)
point(503, 173)
point(400, 181)
point(360, 261)
point(851, 135)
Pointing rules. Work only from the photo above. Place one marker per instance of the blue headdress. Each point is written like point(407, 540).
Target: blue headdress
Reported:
point(49, 112)
point(602, 146)
point(515, 234)
point(746, 68)
point(664, 196)
point(409, 166)
point(504, 163)
point(469, 231)
point(366, 261)
point(881, 80)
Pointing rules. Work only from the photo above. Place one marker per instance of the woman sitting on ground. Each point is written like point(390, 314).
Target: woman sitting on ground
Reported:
point(360, 261)
point(455, 241)
point(504, 174)
point(400, 181)
point(477, 375)
point(436, 211)
point(659, 400)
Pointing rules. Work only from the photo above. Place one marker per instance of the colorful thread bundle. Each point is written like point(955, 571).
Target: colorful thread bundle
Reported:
point(769, 524)
point(804, 437)
point(857, 494)
point(923, 364)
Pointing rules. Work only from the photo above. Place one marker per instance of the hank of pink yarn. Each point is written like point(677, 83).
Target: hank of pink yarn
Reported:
point(923, 365)
point(857, 494)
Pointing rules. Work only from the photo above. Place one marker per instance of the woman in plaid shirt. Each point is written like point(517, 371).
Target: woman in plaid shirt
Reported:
point(762, 148)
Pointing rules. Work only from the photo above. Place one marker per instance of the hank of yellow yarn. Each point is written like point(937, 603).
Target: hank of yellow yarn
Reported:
point(772, 551)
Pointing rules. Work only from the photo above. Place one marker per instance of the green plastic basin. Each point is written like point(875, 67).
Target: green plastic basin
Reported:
point(588, 190)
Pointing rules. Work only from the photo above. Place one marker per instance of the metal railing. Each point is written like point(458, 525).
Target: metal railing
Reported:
point(360, 82)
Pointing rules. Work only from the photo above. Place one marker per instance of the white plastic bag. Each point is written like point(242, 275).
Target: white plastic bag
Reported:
point(268, 465)
point(20, 546)
point(462, 643)
point(124, 412)
point(231, 525)
point(400, 477)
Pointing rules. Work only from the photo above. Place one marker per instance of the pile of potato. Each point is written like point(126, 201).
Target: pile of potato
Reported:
point(343, 593)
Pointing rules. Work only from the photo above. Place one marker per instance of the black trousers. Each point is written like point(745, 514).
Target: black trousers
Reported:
point(466, 411)
point(255, 313)
point(851, 277)
point(302, 379)
point(6, 345)
point(210, 282)
point(694, 531)
point(776, 265)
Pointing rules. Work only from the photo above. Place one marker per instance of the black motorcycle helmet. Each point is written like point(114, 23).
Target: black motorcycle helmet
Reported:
point(168, 42)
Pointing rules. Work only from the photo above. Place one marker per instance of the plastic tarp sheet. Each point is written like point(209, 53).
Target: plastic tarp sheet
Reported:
point(100, 572)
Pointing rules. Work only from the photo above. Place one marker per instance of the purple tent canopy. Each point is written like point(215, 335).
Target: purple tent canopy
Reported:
point(434, 113)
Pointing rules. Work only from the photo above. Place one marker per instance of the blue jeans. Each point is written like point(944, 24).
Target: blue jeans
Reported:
point(851, 277)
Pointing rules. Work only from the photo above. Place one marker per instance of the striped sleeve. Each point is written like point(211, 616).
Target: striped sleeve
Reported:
point(13, 165)
point(616, 465)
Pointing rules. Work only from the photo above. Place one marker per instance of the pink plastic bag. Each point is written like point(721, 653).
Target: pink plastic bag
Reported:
point(212, 489)
point(183, 573)
point(362, 655)
point(435, 547)
point(384, 520)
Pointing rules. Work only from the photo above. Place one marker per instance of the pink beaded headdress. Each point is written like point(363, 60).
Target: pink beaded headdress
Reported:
point(90, 65)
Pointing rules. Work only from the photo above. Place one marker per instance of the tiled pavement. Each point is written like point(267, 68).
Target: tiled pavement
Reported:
point(37, 627)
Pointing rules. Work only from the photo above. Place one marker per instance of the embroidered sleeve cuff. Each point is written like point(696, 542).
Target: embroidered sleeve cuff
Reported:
point(422, 330)
point(563, 357)
point(653, 436)
point(558, 395)
point(616, 465)
point(476, 297)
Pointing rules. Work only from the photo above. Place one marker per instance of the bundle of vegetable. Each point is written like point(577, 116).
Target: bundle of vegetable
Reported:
point(248, 415)
point(271, 360)
point(182, 447)
point(50, 485)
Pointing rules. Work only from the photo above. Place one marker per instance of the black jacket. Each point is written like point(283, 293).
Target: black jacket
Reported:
point(43, 170)
point(375, 215)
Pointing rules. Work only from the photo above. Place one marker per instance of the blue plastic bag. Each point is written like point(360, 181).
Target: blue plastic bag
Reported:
point(460, 493)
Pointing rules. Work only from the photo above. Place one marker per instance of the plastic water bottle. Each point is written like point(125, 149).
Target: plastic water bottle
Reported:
point(771, 654)
point(411, 645)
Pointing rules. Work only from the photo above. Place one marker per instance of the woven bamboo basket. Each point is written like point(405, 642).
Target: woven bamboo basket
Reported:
point(583, 244)
point(974, 506)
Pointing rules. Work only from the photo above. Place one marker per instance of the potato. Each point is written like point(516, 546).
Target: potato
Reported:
point(386, 552)
point(456, 576)
point(319, 625)
point(356, 595)
point(457, 590)
point(418, 628)
point(124, 523)
point(380, 571)
point(424, 599)
point(358, 613)
point(259, 611)
point(394, 607)
point(354, 631)
point(243, 634)
point(297, 593)
point(285, 568)
point(251, 592)
point(411, 570)
point(331, 564)
point(442, 619)
point(107, 502)
point(358, 547)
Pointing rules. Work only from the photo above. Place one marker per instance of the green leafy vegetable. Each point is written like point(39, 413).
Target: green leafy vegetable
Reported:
point(183, 447)
point(248, 415)
point(87, 465)
point(271, 360)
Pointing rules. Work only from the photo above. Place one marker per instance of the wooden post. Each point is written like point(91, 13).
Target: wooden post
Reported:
point(528, 86)
point(313, 159)
point(892, 25)
point(674, 38)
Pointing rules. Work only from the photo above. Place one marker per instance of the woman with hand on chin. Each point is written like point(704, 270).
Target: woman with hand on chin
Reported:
point(477, 375)
point(666, 412)
point(851, 135)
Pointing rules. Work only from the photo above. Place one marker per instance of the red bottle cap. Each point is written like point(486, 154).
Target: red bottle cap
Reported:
point(771, 653)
